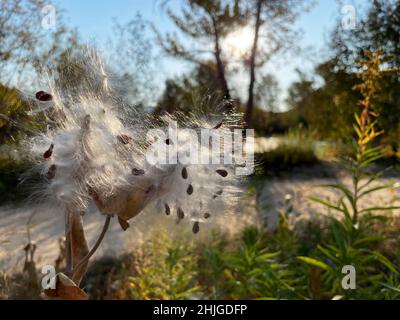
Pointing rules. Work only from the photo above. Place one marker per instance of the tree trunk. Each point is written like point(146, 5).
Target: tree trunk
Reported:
point(250, 101)
point(220, 64)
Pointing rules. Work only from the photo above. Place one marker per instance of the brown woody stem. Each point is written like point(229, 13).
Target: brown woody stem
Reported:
point(85, 260)
point(68, 246)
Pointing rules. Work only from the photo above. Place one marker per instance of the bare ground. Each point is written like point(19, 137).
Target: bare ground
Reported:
point(274, 194)
point(47, 227)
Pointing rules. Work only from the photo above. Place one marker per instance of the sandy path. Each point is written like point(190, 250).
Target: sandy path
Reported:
point(274, 195)
point(280, 193)
point(47, 227)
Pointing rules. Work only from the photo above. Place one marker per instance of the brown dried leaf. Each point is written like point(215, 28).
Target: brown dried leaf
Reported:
point(65, 289)
point(79, 246)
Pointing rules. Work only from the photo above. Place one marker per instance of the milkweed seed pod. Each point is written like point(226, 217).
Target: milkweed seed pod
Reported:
point(93, 152)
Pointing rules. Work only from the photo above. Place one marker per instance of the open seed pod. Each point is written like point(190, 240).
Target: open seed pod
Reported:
point(96, 152)
point(126, 204)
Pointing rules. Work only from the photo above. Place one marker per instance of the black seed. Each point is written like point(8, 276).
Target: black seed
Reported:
point(168, 141)
point(206, 215)
point(137, 172)
point(223, 173)
point(219, 125)
point(43, 96)
point(218, 193)
point(184, 173)
point(123, 223)
point(189, 189)
point(196, 227)
point(167, 209)
point(86, 122)
point(149, 189)
point(180, 213)
point(125, 139)
point(49, 152)
point(52, 172)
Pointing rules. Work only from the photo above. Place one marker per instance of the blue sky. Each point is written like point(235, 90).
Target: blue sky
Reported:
point(94, 20)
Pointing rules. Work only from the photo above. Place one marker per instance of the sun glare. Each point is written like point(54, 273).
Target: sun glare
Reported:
point(238, 43)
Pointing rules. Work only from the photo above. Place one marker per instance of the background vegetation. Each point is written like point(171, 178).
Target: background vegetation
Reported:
point(349, 107)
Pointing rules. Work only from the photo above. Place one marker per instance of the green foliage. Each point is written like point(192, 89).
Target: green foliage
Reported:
point(13, 116)
point(301, 262)
point(25, 44)
point(296, 148)
point(215, 270)
point(186, 94)
point(167, 273)
point(353, 241)
point(289, 264)
point(254, 272)
point(15, 125)
point(328, 107)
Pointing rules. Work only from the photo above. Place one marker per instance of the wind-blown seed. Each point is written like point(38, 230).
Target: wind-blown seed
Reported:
point(43, 96)
point(223, 173)
point(125, 139)
point(167, 209)
point(150, 189)
point(48, 152)
point(180, 213)
point(123, 223)
point(137, 172)
point(218, 193)
point(184, 173)
point(51, 173)
point(196, 227)
point(101, 154)
point(219, 125)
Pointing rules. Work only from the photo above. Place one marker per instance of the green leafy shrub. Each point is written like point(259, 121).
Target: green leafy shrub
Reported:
point(167, 272)
point(353, 240)
point(15, 125)
point(297, 148)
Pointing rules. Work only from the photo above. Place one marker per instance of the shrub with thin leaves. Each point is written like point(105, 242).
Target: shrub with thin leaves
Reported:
point(353, 241)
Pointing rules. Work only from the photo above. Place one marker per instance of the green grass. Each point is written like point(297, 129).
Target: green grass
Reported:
point(255, 265)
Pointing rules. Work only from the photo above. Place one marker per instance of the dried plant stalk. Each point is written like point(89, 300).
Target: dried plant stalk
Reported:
point(81, 266)
point(78, 247)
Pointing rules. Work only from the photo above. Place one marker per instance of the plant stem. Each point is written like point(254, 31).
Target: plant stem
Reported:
point(68, 246)
point(95, 247)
